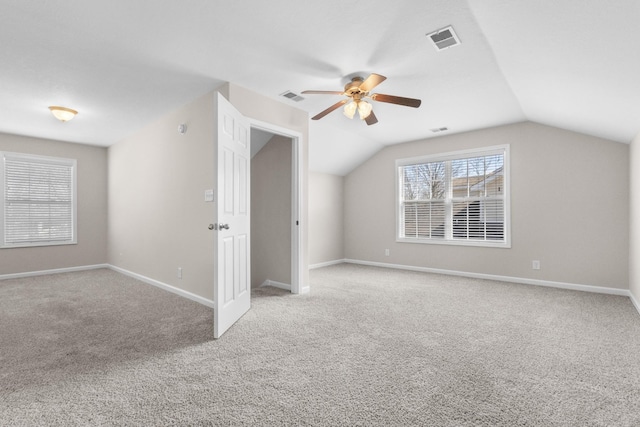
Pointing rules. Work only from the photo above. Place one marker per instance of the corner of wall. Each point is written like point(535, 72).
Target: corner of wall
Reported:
point(224, 90)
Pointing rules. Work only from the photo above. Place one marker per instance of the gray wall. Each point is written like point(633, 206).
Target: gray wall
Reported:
point(569, 208)
point(634, 232)
point(271, 212)
point(326, 218)
point(157, 214)
point(91, 248)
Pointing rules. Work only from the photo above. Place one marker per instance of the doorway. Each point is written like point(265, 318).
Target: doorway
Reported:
point(275, 208)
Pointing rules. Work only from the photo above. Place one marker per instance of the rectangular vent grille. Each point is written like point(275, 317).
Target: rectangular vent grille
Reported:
point(444, 38)
point(292, 96)
point(436, 130)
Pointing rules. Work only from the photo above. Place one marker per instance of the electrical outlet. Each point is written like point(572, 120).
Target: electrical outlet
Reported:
point(386, 252)
point(179, 273)
point(535, 264)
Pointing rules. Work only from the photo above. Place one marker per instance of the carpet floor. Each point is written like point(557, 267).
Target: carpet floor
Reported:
point(367, 347)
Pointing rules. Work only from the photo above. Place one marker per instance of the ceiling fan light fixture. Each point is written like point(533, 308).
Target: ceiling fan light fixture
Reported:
point(364, 109)
point(63, 114)
point(355, 93)
point(350, 109)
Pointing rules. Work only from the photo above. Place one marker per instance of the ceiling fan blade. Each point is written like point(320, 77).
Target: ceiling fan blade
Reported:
point(322, 92)
point(407, 102)
point(330, 109)
point(372, 81)
point(371, 119)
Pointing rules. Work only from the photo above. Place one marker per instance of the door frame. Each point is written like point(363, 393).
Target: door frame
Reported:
point(297, 193)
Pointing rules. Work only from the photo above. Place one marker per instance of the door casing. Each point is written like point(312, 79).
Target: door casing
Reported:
point(297, 285)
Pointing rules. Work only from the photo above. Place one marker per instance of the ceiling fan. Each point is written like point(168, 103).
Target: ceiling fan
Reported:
point(357, 90)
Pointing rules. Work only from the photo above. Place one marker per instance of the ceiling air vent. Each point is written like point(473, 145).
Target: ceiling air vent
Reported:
point(292, 96)
point(436, 130)
point(444, 38)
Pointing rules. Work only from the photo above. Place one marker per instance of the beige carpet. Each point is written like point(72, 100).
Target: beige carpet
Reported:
point(368, 346)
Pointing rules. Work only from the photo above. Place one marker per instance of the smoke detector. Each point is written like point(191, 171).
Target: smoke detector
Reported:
point(444, 38)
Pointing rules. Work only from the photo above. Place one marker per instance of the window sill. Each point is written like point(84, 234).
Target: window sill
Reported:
point(37, 245)
point(460, 242)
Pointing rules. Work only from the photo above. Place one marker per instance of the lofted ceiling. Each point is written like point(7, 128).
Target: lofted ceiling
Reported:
point(573, 64)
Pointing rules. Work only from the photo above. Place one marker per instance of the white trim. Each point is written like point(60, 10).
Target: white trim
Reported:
point(297, 196)
point(521, 280)
point(52, 271)
point(140, 277)
point(275, 284)
point(209, 303)
point(326, 264)
point(33, 158)
point(166, 287)
point(453, 155)
point(296, 214)
point(635, 302)
point(504, 149)
point(263, 284)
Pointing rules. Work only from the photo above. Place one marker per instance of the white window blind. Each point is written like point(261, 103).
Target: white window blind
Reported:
point(38, 203)
point(455, 198)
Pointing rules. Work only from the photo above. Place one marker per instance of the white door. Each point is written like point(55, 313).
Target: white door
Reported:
point(232, 294)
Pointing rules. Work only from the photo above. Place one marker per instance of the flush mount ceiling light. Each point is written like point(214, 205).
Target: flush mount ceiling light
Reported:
point(62, 113)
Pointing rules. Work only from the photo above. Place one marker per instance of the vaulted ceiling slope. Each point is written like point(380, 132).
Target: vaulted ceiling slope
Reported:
point(573, 64)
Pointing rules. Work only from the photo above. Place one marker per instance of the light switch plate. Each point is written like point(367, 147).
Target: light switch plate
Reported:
point(208, 195)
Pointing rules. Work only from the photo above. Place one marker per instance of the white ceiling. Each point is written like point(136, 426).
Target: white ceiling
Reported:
point(567, 63)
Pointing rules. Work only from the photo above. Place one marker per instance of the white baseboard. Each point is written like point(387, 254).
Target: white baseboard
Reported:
point(525, 281)
point(166, 287)
point(210, 303)
point(326, 264)
point(52, 271)
point(275, 284)
point(635, 302)
point(305, 290)
point(140, 277)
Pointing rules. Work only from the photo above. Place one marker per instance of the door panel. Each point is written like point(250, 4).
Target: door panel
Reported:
point(227, 175)
point(243, 187)
point(232, 293)
point(243, 256)
point(226, 263)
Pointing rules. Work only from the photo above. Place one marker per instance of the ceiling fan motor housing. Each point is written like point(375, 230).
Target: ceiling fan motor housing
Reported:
point(353, 90)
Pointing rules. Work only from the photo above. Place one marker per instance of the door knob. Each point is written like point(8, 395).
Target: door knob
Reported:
point(218, 226)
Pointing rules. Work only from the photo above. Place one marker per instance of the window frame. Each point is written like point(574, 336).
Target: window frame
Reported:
point(448, 157)
point(37, 159)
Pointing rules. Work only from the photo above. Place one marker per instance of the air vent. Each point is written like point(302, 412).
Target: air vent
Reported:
point(436, 130)
point(292, 96)
point(444, 38)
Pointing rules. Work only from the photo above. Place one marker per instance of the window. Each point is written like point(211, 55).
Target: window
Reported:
point(38, 204)
point(455, 198)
